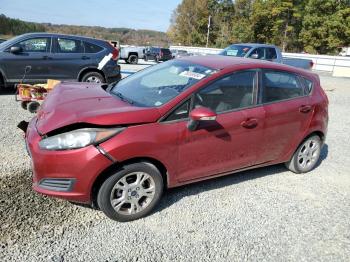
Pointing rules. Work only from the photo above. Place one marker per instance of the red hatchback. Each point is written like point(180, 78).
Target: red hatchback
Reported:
point(117, 147)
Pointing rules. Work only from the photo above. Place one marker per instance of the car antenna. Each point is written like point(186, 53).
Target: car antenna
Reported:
point(27, 69)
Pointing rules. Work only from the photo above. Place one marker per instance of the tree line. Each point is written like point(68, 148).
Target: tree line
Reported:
point(12, 27)
point(313, 26)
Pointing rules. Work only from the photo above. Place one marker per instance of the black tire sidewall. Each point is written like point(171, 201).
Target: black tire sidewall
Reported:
point(33, 107)
point(133, 59)
point(103, 196)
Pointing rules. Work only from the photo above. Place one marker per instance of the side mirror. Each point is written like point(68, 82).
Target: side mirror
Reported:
point(16, 49)
point(254, 56)
point(200, 114)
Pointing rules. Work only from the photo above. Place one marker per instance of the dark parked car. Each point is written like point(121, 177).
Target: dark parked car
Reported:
point(157, 54)
point(2, 40)
point(62, 57)
point(174, 123)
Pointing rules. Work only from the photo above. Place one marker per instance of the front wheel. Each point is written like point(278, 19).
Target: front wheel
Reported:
point(306, 156)
point(131, 193)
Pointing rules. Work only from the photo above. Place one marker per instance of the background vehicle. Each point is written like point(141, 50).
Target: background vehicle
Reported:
point(265, 52)
point(174, 123)
point(132, 54)
point(57, 56)
point(2, 40)
point(345, 51)
point(158, 54)
point(176, 53)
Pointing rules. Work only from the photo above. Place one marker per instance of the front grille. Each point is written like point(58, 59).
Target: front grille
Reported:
point(57, 184)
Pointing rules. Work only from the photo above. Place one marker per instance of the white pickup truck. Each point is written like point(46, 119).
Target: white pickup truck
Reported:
point(266, 52)
point(132, 54)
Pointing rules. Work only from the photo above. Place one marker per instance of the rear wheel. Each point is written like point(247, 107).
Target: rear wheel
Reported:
point(131, 193)
point(306, 156)
point(133, 59)
point(93, 77)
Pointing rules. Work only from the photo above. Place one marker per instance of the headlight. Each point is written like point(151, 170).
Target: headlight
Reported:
point(78, 138)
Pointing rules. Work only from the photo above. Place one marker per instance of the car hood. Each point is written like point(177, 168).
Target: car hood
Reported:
point(74, 103)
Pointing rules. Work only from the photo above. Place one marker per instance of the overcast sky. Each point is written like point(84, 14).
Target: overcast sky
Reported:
point(137, 14)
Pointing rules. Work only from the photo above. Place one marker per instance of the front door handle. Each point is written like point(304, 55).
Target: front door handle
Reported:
point(305, 109)
point(45, 57)
point(250, 123)
point(85, 57)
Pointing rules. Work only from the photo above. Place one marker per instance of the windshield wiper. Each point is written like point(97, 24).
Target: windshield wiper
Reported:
point(123, 98)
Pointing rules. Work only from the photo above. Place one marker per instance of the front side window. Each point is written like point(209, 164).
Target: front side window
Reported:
point(68, 46)
point(34, 45)
point(158, 84)
point(228, 93)
point(235, 50)
point(259, 52)
point(278, 85)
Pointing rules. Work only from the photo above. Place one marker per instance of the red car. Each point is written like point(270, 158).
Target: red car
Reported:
point(118, 147)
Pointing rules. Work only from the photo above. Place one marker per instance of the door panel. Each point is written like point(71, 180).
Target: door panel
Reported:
point(284, 126)
point(69, 58)
point(35, 53)
point(219, 146)
point(288, 114)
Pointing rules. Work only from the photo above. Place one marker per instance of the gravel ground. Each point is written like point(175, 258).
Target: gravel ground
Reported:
point(268, 214)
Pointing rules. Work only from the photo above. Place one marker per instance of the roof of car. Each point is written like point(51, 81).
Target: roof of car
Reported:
point(219, 62)
point(59, 35)
point(255, 45)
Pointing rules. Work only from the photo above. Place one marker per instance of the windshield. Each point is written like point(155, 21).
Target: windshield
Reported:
point(236, 50)
point(160, 83)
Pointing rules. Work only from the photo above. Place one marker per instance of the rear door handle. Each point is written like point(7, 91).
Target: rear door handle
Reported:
point(85, 57)
point(45, 57)
point(250, 123)
point(305, 109)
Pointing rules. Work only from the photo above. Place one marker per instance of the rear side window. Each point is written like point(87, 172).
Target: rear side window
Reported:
point(279, 85)
point(65, 45)
point(92, 48)
point(270, 53)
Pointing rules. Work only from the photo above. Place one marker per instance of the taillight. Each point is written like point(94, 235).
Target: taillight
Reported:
point(115, 53)
point(311, 64)
point(161, 53)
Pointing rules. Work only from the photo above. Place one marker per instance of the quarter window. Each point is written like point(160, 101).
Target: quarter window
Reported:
point(229, 93)
point(280, 86)
point(270, 53)
point(91, 48)
point(34, 45)
point(180, 112)
point(68, 46)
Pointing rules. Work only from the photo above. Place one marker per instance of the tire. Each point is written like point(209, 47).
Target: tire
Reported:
point(306, 156)
point(93, 77)
point(24, 105)
point(122, 190)
point(146, 59)
point(157, 59)
point(133, 59)
point(33, 107)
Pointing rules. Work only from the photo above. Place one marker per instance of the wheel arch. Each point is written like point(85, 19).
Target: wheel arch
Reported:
point(133, 53)
point(88, 70)
point(109, 171)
